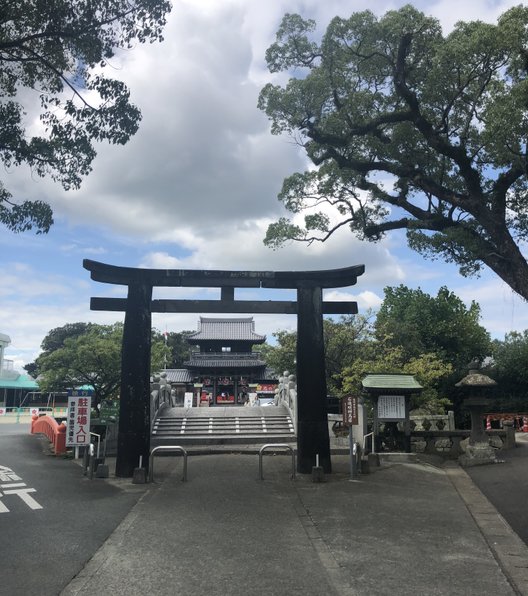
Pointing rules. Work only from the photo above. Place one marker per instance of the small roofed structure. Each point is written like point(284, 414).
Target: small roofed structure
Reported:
point(390, 396)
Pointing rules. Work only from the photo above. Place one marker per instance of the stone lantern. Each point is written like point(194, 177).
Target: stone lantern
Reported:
point(476, 384)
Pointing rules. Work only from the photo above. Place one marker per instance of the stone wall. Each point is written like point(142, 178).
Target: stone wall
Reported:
point(433, 422)
point(452, 444)
point(441, 438)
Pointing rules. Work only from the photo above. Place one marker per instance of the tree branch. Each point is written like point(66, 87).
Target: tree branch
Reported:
point(436, 141)
point(65, 34)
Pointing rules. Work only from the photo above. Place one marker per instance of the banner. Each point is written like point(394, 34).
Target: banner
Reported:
point(78, 425)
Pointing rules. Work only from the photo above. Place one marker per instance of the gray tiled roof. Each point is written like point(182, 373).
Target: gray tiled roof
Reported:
point(242, 328)
point(178, 375)
point(225, 363)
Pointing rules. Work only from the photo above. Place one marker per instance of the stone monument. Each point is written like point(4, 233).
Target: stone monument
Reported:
point(479, 451)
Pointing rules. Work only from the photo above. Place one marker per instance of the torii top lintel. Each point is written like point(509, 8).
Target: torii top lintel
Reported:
point(329, 278)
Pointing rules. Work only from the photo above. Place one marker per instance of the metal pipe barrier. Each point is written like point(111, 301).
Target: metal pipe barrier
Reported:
point(167, 448)
point(276, 446)
point(355, 460)
point(98, 442)
point(372, 441)
point(88, 460)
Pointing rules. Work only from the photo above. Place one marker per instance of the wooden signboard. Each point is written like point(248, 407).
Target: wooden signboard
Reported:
point(350, 410)
point(391, 407)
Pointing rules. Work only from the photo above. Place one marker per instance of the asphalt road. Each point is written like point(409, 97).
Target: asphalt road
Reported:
point(52, 517)
point(506, 486)
point(49, 533)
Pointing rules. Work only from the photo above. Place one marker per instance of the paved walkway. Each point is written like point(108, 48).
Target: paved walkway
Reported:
point(407, 528)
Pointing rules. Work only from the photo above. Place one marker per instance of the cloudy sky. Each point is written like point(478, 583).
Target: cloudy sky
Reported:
point(197, 186)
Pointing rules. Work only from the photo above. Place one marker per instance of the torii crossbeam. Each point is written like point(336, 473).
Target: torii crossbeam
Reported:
point(134, 413)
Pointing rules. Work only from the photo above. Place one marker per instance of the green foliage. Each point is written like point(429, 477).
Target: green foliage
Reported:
point(343, 340)
point(282, 356)
point(54, 340)
point(52, 58)
point(91, 358)
point(380, 357)
point(88, 354)
point(440, 324)
point(56, 337)
point(408, 129)
point(430, 337)
point(509, 369)
point(180, 349)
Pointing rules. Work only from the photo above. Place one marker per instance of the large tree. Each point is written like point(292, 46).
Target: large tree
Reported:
point(508, 368)
point(429, 369)
point(52, 59)
point(92, 358)
point(344, 341)
point(54, 340)
point(420, 323)
point(180, 349)
point(410, 130)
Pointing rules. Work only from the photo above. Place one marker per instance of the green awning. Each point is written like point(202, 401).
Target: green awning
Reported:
point(21, 382)
point(391, 383)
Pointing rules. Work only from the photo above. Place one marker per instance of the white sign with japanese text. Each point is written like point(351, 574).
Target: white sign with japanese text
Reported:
point(391, 406)
point(78, 426)
point(3, 411)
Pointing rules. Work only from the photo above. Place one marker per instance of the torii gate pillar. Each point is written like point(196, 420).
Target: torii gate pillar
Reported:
point(312, 418)
point(133, 438)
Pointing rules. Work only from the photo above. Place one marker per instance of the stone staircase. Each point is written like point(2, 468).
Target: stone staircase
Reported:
point(223, 426)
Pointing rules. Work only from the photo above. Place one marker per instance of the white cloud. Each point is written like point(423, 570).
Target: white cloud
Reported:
point(366, 300)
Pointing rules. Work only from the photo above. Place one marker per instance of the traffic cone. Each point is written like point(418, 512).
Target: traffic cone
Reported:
point(488, 422)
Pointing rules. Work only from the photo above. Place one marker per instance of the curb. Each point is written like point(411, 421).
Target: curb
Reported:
point(510, 552)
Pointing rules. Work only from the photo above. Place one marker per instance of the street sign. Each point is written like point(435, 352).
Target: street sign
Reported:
point(350, 410)
point(79, 410)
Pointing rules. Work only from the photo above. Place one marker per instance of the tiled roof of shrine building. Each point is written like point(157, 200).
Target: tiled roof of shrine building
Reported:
point(225, 361)
point(242, 328)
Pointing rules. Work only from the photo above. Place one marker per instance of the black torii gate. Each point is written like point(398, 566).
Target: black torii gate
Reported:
point(134, 410)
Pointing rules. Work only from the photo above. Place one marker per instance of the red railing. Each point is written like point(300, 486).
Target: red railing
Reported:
point(55, 432)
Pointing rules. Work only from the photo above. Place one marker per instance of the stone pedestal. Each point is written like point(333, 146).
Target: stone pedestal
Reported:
point(477, 454)
point(479, 451)
point(318, 474)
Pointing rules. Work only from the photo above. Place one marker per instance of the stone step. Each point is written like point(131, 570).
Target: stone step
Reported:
point(195, 428)
point(192, 427)
point(221, 440)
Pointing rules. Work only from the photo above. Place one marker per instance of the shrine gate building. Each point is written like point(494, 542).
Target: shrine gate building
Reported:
point(225, 371)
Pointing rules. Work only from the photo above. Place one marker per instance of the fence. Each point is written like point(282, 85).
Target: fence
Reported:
point(8, 414)
point(55, 432)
